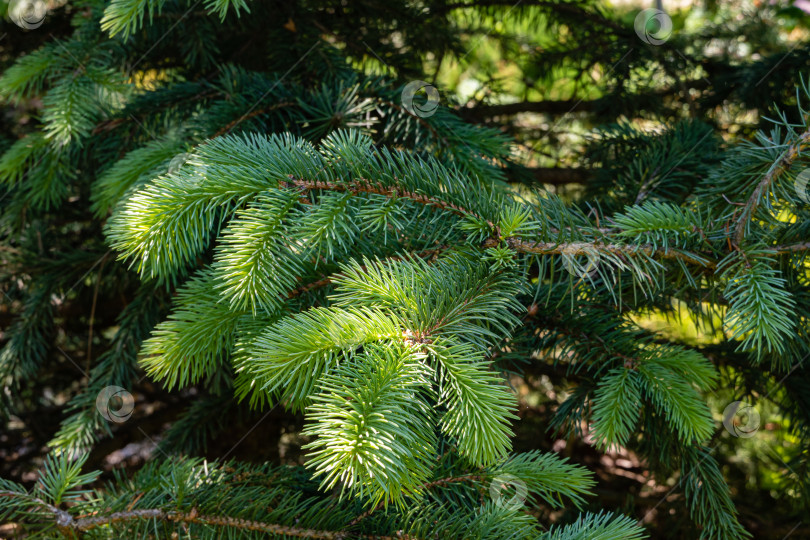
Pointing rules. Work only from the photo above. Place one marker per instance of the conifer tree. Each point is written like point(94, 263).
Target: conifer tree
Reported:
point(262, 216)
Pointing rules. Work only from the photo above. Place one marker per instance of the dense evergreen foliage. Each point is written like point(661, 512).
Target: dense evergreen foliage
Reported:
point(456, 312)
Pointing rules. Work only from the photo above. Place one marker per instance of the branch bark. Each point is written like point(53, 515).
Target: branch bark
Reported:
point(364, 186)
point(586, 248)
point(68, 525)
point(522, 246)
point(781, 165)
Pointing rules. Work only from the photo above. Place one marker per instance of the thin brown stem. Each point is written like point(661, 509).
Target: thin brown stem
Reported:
point(68, 525)
point(781, 165)
point(586, 248)
point(257, 112)
point(792, 248)
point(541, 248)
point(86, 524)
point(365, 186)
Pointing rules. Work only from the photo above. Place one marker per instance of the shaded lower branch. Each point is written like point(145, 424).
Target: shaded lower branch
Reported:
point(482, 111)
point(559, 176)
point(560, 106)
point(67, 524)
point(428, 485)
point(228, 127)
point(86, 524)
